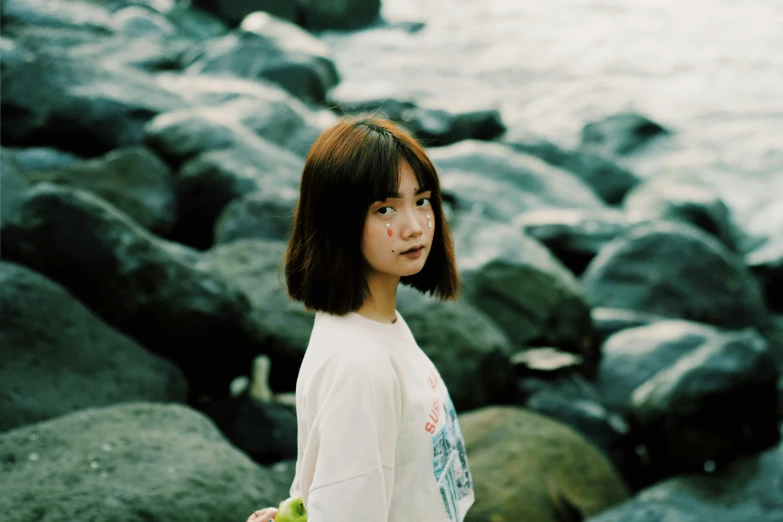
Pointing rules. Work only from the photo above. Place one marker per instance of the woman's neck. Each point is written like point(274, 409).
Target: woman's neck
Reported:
point(381, 303)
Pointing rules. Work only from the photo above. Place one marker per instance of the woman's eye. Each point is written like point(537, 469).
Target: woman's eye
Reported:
point(423, 202)
point(384, 211)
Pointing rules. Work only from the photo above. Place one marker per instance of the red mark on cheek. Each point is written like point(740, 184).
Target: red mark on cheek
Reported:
point(390, 232)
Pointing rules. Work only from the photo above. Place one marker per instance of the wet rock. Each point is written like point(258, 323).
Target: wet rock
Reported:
point(747, 490)
point(492, 180)
point(143, 286)
point(266, 110)
point(73, 14)
point(669, 199)
point(260, 215)
point(234, 11)
point(766, 263)
point(516, 281)
point(33, 159)
point(132, 462)
point(59, 357)
point(320, 15)
point(714, 405)
point(574, 236)
point(609, 321)
point(142, 21)
point(620, 134)
point(13, 186)
point(79, 106)
point(434, 126)
point(469, 350)
point(257, 266)
point(676, 271)
point(133, 179)
point(270, 48)
point(526, 466)
point(610, 181)
point(630, 357)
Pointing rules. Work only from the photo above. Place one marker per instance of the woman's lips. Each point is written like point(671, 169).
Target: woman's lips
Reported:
point(414, 253)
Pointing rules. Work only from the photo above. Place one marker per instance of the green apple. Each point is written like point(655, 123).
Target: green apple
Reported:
point(291, 510)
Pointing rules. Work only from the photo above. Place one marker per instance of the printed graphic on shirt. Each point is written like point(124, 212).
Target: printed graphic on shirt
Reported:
point(450, 462)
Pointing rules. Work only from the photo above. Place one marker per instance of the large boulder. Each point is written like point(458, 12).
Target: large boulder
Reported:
point(620, 134)
point(609, 180)
point(471, 353)
point(82, 106)
point(528, 467)
point(267, 47)
point(132, 179)
point(234, 11)
point(632, 356)
point(257, 266)
point(493, 180)
point(143, 286)
point(748, 490)
point(59, 357)
point(677, 271)
point(609, 321)
point(266, 214)
point(34, 159)
point(766, 263)
point(714, 405)
point(574, 236)
point(319, 15)
point(434, 125)
point(664, 198)
point(522, 287)
point(73, 14)
point(13, 186)
point(132, 462)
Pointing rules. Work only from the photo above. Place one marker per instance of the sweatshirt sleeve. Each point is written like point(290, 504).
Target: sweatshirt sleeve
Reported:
point(353, 414)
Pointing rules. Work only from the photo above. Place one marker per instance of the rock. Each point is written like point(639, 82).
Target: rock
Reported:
point(79, 106)
point(433, 125)
point(73, 14)
point(574, 236)
point(766, 263)
point(265, 214)
point(208, 183)
point(669, 199)
point(258, 268)
point(133, 179)
point(714, 405)
point(266, 110)
point(492, 180)
point(609, 321)
point(13, 187)
point(320, 15)
point(234, 11)
point(142, 21)
point(33, 159)
point(265, 431)
point(607, 430)
point(270, 48)
point(128, 463)
point(620, 134)
point(195, 23)
point(144, 287)
point(59, 357)
point(470, 352)
point(746, 490)
point(610, 181)
point(528, 467)
point(677, 271)
point(12, 53)
point(523, 288)
point(630, 357)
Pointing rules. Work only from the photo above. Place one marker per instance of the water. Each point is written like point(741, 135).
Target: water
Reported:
point(710, 70)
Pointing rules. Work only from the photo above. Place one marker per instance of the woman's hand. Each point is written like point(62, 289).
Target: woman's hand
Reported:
point(262, 515)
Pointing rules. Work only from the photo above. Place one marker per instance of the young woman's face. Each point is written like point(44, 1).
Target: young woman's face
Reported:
point(405, 214)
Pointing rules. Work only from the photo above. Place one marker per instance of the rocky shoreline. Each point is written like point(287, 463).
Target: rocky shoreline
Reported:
point(617, 354)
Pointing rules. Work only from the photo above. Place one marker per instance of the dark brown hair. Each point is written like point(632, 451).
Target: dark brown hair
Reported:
point(350, 166)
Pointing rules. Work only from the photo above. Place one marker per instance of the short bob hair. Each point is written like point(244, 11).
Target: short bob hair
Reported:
point(350, 166)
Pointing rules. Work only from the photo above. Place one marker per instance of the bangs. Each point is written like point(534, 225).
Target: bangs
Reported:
point(384, 175)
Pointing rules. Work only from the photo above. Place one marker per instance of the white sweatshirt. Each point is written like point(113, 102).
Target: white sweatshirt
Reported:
point(378, 437)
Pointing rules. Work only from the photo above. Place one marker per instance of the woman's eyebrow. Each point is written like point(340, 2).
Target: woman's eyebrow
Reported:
point(397, 195)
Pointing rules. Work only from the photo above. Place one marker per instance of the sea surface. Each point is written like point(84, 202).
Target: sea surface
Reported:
point(709, 70)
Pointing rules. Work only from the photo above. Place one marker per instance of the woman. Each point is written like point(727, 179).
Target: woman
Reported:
point(378, 439)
